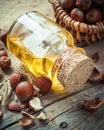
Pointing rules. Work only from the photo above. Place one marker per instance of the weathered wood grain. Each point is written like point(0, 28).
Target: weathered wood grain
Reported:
point(70, 110)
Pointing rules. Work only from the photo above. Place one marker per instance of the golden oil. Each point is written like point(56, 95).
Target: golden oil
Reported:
point(38, 42)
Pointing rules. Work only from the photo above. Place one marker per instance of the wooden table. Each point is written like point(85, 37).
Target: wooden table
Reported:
point(61, 106)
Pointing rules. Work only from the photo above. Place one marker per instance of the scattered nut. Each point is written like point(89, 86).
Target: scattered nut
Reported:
point(43, 83)
point(95, 76)
point(35, 104)
point(93, 104)
point(16, 78)
point(5, 62)
point(27, 119)
point(95, 56)
point(83, 4)
point(42, 116)
point(24, 91)
point(77, 14)
point(14, 106)
point(68, 4)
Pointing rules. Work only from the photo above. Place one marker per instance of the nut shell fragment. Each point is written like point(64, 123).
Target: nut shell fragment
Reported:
point(27, 119)
point(42, 116)
point(35, 104)
point(93, 104)
point(95, 56)
point(95, 76)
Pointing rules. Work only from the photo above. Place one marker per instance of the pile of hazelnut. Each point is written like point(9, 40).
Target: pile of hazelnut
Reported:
point(88, 11)
point(28, 97)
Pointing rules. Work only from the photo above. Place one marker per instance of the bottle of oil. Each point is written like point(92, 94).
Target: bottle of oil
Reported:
point(40, 44)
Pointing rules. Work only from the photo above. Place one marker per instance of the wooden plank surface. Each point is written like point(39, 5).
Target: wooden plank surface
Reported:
point(69, 109)
point(61, 106)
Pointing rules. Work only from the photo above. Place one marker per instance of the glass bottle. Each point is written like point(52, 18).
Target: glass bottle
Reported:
point(38, 42)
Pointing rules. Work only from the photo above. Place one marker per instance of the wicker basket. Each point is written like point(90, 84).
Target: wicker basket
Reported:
point(83, 33)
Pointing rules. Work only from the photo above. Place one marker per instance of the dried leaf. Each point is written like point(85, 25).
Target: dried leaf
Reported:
point(93, 104)
point(95, 76)
point(96, 56)
point(27, 119)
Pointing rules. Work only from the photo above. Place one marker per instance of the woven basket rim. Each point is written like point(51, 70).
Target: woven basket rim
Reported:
point(60, 13)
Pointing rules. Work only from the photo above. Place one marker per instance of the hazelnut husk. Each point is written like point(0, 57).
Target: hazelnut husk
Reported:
point(5, 62)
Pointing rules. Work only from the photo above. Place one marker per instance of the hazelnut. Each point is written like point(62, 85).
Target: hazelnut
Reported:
point(77, 14)
point(68, 4)
point(43, 83)
point(98, 1)
point(5, 62)
point(3, 53)
point(93, 15)
point(24, 91)
point(14, 106)
point(16, 78)
point(83, 4)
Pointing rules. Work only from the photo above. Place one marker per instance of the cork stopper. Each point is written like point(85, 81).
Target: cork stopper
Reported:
point(73, 69)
